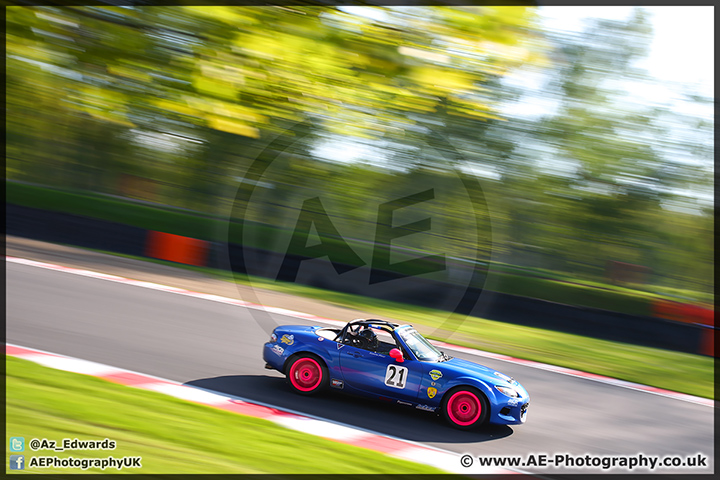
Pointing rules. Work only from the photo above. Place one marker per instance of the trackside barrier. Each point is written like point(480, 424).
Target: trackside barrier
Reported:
point(707, 347)
point(692, 314)
point(684, 312)
point(176, 248)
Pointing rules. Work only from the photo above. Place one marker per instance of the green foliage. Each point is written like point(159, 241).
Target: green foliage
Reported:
point(175, 105)
point(101, 207)
point(613, 203)
point(571, 293)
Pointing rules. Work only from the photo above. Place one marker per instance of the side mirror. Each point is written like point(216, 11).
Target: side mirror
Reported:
point(397, 355)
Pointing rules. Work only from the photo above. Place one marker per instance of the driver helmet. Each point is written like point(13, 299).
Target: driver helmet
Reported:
point(370, 339)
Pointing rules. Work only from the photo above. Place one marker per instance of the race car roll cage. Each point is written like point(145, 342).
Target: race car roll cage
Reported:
point(384, 325)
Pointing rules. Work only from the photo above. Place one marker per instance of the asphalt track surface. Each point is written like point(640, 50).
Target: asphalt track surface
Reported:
point(218, 347)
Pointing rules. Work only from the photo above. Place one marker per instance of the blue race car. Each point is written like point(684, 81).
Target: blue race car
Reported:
point(386, 361)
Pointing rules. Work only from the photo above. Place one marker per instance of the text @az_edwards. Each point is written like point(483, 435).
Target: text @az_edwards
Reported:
point(37, 444)
point(587, 461)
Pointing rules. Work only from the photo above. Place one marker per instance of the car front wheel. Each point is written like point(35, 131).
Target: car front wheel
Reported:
point(465, 408)
point(307, 374)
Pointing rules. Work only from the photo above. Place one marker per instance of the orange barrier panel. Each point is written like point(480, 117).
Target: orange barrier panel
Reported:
point(683, 312)
point(687, 313)
point(703, 315)
point(707, 346)
point(176, 248)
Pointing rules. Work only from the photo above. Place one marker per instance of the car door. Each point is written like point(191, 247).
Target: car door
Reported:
point(380, 375)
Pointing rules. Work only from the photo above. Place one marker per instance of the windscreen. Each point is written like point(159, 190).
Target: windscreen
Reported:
point(420, 347)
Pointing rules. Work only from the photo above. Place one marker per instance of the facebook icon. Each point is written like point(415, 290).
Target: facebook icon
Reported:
point(17, 462)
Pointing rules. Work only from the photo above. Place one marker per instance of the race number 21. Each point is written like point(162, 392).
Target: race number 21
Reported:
point(395, 376)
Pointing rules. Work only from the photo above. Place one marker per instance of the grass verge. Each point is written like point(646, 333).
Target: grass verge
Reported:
point(171, 435)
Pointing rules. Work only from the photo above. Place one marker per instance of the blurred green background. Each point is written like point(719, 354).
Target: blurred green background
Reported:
point(168, 107)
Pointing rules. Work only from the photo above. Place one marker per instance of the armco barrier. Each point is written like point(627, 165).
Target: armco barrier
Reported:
point(667, 333)
point(76, 230)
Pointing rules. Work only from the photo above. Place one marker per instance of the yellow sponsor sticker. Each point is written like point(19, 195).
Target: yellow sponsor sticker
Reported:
point(432, 392)
point(289, 339)
point(435, 374)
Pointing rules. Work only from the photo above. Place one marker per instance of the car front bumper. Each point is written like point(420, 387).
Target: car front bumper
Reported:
point(511, 412)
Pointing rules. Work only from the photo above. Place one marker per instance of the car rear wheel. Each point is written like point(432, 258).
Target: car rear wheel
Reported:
point(465, 408)
point(307, 374)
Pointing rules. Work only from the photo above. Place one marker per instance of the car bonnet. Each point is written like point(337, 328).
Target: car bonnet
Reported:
point(465, 367)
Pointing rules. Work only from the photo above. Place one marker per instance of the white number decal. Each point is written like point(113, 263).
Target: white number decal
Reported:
point(395, 376)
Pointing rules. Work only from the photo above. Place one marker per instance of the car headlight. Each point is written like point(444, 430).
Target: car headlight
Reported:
point(510, 380)
point(510, 392)
point(273, 338)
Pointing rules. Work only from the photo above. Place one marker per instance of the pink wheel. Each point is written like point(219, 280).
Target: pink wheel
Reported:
point(307, 375)
point(465, 408)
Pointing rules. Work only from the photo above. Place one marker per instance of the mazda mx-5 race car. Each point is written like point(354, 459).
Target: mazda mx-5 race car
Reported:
point(386, 361)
